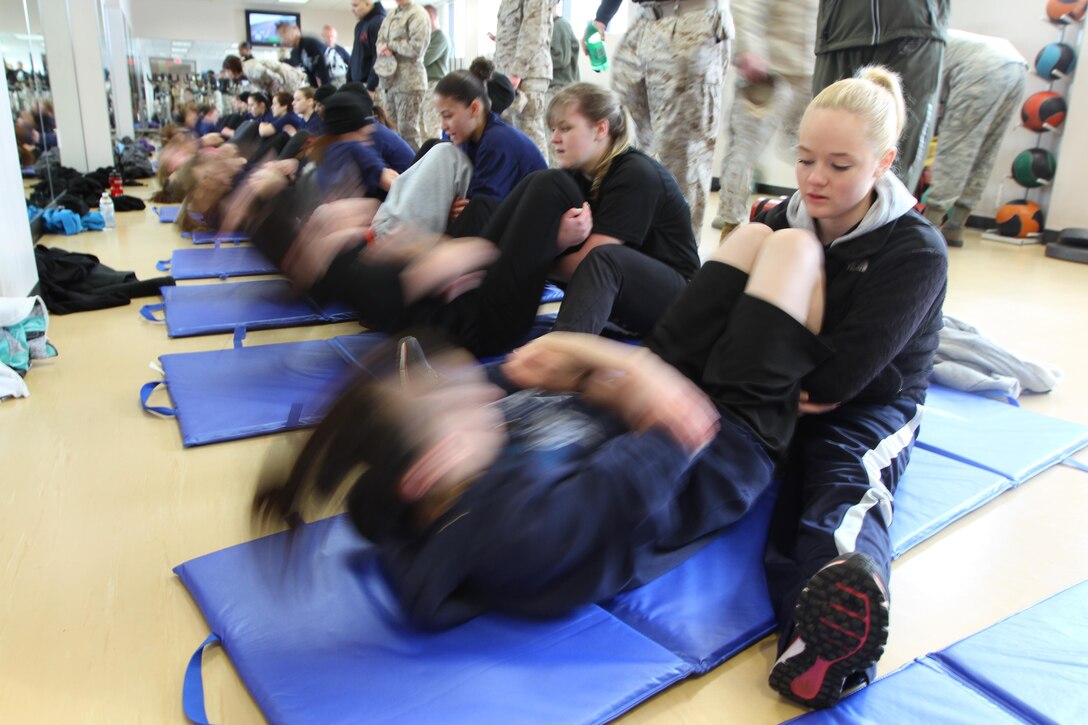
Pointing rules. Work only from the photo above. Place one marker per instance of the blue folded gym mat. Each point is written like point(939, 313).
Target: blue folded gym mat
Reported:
point(1002, 438)
point(167, 214)
point(221, 262)
point(1031, 667)
point(551, 294)
point(223, 395)
point(694, 612)
point(358, 660)
point(210, 308)
point(219, 237)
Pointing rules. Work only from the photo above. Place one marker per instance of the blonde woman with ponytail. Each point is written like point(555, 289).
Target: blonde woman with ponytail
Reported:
point(885, 273)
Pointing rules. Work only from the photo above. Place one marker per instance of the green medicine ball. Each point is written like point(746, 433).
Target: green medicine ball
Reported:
point(1033, 168)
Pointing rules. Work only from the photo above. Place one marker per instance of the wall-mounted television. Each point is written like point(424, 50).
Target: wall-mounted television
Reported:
point(261, 26)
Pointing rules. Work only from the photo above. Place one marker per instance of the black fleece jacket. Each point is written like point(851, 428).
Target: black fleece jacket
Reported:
point(885, 290)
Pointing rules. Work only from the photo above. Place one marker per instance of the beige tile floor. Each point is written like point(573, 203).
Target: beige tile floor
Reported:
point(98, 501)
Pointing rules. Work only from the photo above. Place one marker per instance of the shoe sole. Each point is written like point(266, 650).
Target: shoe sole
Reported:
point(842, 618)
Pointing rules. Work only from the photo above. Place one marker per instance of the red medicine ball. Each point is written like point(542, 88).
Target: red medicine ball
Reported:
point(1066, 11)
point(1043, 111)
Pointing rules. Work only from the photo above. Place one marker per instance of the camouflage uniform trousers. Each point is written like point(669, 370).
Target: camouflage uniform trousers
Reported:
point(669, 74)
point(405, 111)
point(530, 119)
point(430, 125)
point(971, 132)
point(752, 122)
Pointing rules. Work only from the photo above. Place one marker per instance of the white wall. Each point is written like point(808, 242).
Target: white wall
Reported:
point(211, 21)
point(18, 272)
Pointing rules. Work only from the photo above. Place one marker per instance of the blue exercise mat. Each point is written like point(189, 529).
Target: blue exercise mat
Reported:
point(218, 238)
point(934, 492)
point(1031, 667)
point(210, 308)
point(1002, 438)
point(167, 214)
point(223, 395)
point(551, 294)
point(707, 618)
point(341, 651)
point(721, 615)
point(221, 262)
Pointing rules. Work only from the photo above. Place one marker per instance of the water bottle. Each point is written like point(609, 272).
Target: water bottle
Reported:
point(598, 59)
point(105, 208)
point(116, 189)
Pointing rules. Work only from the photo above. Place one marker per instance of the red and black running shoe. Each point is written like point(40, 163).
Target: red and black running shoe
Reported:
point(841, 626)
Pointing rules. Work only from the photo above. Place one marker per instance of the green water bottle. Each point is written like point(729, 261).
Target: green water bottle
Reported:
point(598, 59)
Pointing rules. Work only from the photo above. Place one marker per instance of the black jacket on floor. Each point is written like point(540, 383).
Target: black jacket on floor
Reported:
point(73, 282)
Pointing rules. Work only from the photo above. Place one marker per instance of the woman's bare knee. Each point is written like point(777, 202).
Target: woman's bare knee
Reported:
point(741, 248)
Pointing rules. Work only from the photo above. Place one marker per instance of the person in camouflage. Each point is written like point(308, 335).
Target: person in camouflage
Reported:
point(669, 69)
point(437, 62)
point(774, 59)
point(523, 53)
point(983, 82)
point(405, 35)
point(564, 63)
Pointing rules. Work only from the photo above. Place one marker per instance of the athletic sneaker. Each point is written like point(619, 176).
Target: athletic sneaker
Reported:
point(841, 626)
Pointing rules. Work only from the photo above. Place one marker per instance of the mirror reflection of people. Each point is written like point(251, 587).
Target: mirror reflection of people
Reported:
point(268, 76)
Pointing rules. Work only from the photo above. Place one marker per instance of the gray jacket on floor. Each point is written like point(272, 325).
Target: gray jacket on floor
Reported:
point(966, 360)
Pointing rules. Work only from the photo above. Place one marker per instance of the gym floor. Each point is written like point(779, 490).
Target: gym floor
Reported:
point(100, 501)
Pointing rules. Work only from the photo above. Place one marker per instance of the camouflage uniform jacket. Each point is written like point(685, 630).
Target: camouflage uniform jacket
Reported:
point(273, 76)
point(783, 32)
point(407, 32)
point(523, 41)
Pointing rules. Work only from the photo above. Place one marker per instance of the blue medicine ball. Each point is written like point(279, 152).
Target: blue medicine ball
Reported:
point(1055, 60)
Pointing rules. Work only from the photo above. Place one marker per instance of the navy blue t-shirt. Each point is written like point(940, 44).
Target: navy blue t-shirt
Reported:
point(347, 164)
point(501, 158)
point(394, 150)
point(287, 119)
point(574, 510)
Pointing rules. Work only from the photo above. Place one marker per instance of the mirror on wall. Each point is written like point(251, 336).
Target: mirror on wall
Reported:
point(22, 46)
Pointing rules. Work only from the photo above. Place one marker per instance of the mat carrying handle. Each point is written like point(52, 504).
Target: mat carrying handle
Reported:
point(145, 393)
point(192, 689)
point(163, 265)
point(148, 312)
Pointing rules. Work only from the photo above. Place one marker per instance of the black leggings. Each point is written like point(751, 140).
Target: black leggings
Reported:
point(620, 284)
point(488, 320)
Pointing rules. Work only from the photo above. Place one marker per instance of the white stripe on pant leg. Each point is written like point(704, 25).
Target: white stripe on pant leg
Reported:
point(875, 461)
